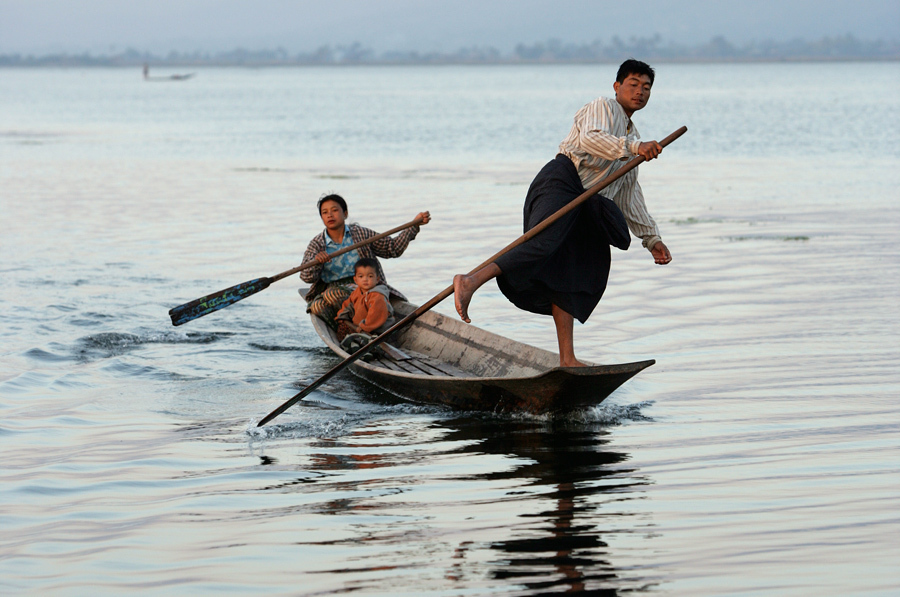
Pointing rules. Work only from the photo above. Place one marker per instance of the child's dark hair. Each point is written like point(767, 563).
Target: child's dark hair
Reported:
point(331, 197)
point(366, 262)
point(634, 67)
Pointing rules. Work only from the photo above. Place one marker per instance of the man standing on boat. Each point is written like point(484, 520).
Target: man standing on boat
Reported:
point(563, 271)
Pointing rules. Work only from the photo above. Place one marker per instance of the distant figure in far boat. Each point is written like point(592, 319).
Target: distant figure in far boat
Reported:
point(176, 77)
point(332, 280)
point(563, 271)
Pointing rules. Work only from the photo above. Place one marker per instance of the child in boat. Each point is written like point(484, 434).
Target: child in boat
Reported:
point(368, 308)
point(332, 279)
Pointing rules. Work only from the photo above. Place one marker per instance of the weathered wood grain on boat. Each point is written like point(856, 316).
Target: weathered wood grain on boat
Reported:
point(439, 360)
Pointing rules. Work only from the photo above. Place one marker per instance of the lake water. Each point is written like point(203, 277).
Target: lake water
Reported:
point(761, 453)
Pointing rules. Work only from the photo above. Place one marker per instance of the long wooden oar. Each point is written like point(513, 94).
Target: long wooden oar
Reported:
point(225, 298)
point(449, 290)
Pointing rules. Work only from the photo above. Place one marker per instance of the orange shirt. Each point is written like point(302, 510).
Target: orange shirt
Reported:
point(370, 309)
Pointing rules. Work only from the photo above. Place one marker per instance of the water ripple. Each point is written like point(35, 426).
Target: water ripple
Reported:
point(109, 344)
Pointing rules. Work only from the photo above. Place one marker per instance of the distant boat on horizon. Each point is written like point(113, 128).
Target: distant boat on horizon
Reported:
point(175, 77)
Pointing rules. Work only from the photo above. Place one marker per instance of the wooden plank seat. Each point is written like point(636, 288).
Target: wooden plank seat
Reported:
point(415, 363)
point(394, 359)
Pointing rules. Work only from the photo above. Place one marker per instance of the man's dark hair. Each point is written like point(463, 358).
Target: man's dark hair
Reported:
point(332, 197)
point(634, 67)
point(366, 262)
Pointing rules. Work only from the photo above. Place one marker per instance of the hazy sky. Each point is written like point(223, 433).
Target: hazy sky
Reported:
point(102, 26)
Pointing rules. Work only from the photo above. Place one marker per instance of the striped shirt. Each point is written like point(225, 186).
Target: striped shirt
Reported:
point(602, 139)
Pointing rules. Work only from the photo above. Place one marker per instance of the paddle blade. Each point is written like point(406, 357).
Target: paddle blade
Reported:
point(219, 300)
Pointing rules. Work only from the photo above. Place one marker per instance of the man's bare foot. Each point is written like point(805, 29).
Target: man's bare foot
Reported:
point(570, 362)
point(462, 295)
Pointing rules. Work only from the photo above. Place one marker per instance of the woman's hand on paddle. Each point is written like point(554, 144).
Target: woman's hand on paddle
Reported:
point(322, 257)
point(661, 254)
point(650, 150)
point(423, 218)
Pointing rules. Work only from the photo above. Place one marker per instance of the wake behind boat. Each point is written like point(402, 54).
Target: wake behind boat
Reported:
point(439, 360)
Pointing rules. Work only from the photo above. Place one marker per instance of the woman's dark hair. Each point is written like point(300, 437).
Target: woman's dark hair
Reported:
point(332, 197)
point(634, 67)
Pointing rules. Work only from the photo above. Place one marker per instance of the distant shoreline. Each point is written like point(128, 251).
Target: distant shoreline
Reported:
point(844, 48)
point(75, 63)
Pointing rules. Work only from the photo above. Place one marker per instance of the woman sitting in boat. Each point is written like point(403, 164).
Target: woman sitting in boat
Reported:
point(332, 280)
point(368, 308)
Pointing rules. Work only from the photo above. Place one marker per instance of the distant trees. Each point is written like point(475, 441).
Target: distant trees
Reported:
point(552, 51)
point(718, 48)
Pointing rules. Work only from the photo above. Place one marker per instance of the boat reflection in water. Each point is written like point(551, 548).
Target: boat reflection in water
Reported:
point(532, 522)
point(560, 547)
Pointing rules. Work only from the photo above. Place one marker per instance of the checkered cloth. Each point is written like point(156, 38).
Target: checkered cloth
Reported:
point(386, 247)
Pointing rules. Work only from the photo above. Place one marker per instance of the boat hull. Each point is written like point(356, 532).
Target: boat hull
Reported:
point(438, 360)
point(558, 391)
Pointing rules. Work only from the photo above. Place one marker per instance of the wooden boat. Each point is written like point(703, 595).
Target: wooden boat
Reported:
point(439, 360)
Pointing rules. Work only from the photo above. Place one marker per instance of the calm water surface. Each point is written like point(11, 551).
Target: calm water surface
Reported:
point(759, 455)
